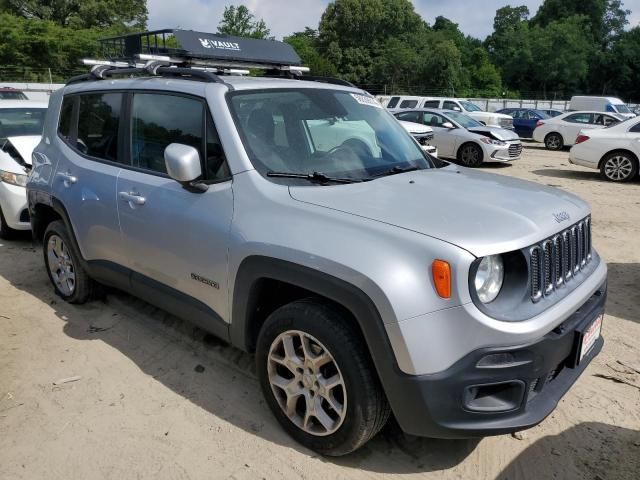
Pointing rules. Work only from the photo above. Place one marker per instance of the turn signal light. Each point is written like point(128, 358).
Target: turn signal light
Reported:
point(441, 272)
point(581, 138)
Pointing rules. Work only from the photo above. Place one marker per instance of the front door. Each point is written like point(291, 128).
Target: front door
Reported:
point(177, 239)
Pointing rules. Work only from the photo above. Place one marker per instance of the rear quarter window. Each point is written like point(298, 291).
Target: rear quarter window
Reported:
point(409, 104)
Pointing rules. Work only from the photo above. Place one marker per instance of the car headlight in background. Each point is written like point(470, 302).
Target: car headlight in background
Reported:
point(13, 178)
point(489, 278)
point(491, 141)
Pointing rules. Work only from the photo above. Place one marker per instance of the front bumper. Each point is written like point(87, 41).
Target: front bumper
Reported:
point(512, 151)
point(525, 390)
point(13, 201)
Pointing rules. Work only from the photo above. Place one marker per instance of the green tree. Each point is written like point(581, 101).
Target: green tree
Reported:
point(82, 14)
point(304, 44)
point(239, 21)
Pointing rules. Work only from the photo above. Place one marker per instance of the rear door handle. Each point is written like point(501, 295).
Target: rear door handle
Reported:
point(67, 178)
point(132, 198)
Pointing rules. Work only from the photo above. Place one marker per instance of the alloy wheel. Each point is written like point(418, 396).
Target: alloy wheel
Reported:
point(61, 265)
point(470, 155)
point(618, 168)
point(307, 383)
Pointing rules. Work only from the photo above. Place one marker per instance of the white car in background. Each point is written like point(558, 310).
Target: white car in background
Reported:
point(461, 105)
point(21, 124)
point(423, 135)
point(614, 150)
point(464, 139)
point(562, 131)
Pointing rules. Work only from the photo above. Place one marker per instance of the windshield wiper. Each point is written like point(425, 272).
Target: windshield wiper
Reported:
point(395, 171)
point(314, 177)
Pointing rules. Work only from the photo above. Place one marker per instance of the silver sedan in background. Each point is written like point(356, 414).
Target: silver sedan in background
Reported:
point(460, 137)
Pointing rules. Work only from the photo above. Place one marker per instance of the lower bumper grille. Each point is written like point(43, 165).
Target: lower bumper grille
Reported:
point(24, 216)
point(515, 150)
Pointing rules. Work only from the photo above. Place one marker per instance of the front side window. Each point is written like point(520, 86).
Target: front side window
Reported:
point(434, 120)
point(158, 120)
point(449, 105)
point(16, 122)
point(622, 108)
point(335, 132)
point(98, 125)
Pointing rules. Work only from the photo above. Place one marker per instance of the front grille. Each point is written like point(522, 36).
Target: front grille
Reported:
point(557, 260)
point(515, 150)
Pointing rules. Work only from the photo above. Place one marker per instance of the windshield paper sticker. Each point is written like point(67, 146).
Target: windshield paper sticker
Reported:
point(365, 100)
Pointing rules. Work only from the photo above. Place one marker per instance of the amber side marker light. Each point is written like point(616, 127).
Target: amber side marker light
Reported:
point(441, 272)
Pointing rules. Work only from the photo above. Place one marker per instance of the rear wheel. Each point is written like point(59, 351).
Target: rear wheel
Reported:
point(619, 167)
point(62, 260)
point(470, 155)
point(317, 377)
point(554, 141)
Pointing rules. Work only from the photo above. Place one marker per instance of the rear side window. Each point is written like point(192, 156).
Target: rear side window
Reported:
point(158, 120)
point(635, 128)
point(98, 125)
point(432, 104)
point(409, 117)
point(66, 116)
point(408, 104)
point(393, 102)
point(579, 118)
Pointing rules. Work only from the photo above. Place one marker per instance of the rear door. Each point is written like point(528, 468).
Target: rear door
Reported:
point(90, 142)
point(571, 126)
point(177, 240)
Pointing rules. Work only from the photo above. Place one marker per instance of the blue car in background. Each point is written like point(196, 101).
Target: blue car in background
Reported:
point(525, 120)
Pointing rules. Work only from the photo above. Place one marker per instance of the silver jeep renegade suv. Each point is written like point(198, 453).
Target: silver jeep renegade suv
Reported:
point(298, 220)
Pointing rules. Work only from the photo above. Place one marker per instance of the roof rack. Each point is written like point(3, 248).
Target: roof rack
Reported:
point(197, 56)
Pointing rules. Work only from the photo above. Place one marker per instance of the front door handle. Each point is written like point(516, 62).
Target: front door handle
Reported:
point(132, 198)
point(67, 178)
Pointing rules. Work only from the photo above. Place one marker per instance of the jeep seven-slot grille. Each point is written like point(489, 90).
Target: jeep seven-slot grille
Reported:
point(557, 260)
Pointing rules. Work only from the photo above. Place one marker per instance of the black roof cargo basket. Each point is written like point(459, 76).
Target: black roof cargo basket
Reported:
point(195, 56)
point(204, 49)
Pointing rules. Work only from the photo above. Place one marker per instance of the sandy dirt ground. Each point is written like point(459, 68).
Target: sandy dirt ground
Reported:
point(143, 407)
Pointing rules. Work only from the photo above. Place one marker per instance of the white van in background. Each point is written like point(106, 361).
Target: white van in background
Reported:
point(600, 104)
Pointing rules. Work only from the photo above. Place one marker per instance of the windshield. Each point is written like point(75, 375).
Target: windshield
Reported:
point(464, 120)
point(470, 107)
point(337, 133)
point(15, 122)
point(622, 108)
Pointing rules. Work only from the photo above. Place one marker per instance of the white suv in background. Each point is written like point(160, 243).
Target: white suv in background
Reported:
point(21, 123)
point(490, 119)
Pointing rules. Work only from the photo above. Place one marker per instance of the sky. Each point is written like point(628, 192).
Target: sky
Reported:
point(284, 17)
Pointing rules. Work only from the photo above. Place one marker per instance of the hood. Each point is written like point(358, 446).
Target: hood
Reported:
point(480, 212)
point(25, 146)
point(495, 133)
point(415, 128)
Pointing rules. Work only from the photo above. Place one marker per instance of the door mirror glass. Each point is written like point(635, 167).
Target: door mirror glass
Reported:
point(182, 162)
point(448, 125)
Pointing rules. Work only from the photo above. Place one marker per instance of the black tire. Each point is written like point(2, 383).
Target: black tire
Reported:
point(84, 286)
point(619, 167)
point(554, 141)
point(6, 231)
point(470, 155)
point(366, 407)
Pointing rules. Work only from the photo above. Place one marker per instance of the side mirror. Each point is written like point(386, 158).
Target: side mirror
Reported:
point(448, 125)
point(183, 165)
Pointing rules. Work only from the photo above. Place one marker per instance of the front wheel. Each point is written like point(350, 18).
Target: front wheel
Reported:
point(470, 155)
point(318, 379)
point(619, 167)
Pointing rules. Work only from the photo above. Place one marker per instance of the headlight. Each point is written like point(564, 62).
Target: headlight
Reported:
point(491, 141)
point(489, 278)
point(13, 178)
